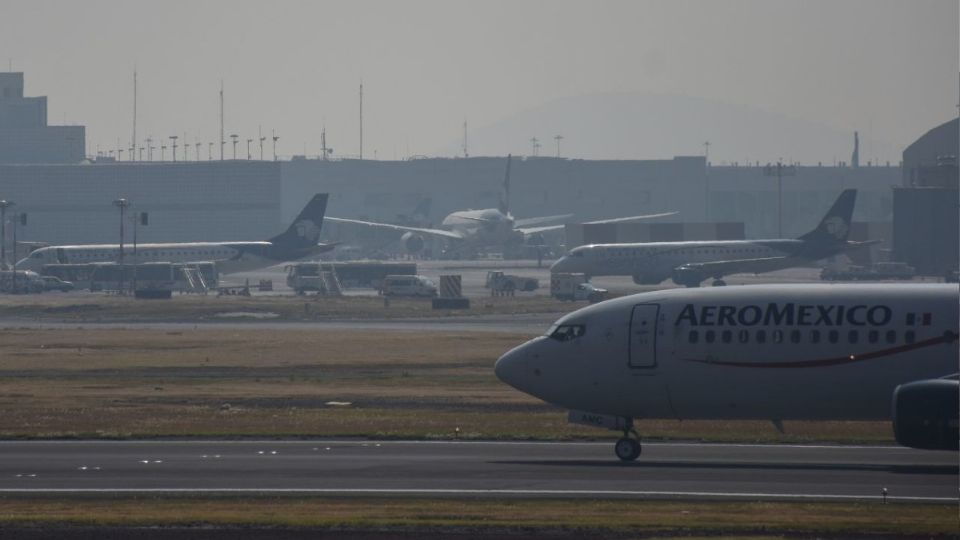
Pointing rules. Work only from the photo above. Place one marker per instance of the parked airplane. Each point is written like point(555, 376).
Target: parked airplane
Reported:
point(470, 230)
point(297, 242)
point(758, 352)
point(689, 263)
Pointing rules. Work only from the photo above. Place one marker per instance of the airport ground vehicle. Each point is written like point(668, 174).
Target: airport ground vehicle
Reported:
point(21, 282)
point(409, 286)
point(500, 283)
point(53, 283)
point(878, 351)
point(305, 276)
point(567, 286)
point(879, 271)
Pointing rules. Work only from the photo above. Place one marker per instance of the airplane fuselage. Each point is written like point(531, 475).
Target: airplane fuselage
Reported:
point(798, 352)
point(486, 227)
point(653, 262)
point(230, 257)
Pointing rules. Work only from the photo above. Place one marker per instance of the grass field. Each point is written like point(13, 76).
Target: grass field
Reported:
point(209, 382)
point(597, 518)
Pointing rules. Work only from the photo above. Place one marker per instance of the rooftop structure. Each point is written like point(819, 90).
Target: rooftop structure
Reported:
point(25, 136)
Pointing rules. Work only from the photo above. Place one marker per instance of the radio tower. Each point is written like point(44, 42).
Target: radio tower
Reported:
point(465, 153)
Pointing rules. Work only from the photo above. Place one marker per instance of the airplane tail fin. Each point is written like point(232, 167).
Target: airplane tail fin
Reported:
point(504, 205)
point(304, 232)
point(834, 228)
point(422, 211)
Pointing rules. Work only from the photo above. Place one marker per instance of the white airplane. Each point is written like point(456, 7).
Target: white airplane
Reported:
point(755, 352)
point(297, 242)
point(689, 263)
point(472, 229)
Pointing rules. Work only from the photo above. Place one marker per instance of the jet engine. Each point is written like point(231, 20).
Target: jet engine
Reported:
point(412, 242)
point(925, 414)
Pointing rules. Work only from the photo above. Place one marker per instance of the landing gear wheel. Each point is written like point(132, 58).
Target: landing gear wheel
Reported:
point(627, 449)
point(719, 283)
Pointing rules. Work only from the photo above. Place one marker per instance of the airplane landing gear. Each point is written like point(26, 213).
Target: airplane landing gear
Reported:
point(628, 448)
point(719, 283)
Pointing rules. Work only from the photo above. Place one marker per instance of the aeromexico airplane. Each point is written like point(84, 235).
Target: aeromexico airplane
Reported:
point(689, 263)
point(297, 242)
point(490, 227)
point(758, 352)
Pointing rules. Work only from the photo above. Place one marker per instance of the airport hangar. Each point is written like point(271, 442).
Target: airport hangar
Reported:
point(240, 199)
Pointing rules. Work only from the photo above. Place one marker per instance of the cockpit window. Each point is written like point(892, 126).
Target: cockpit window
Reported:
point(567, 332)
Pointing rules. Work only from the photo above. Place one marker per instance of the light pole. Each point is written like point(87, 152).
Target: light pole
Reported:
point(122, 204)
point(4, 204)
point(780, 171)
point(210, 152)
point(248, 149)
point(275, 139)
point(163, 152)
point(149, 149)
point(22, 218)
point(198, 151)
point(558, 138)
point(173, 142)
point(234, 136)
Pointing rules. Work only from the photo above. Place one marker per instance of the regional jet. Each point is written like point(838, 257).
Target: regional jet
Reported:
point(469, 230)
point(297, 242)
point(756, 352)
point(689, 263)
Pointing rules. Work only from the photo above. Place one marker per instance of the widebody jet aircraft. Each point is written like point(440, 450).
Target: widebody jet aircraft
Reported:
point(689, 263)
point(297, 242)
point(756, 352)
point(472, 230)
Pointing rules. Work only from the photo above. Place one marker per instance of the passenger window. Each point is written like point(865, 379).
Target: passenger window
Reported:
point(814, 336)
point(795, 336)
point(873, 336)
point(833, 336)
point(567, 332)
point(744, 336)
point(694, 336)
point(726, 336)
point(761, 336)
point(710, 336)
point(909, 336)
point(777, 336)
point(891, 336)
point(853, 336)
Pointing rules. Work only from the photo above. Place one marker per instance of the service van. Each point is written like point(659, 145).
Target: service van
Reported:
point(398, 285)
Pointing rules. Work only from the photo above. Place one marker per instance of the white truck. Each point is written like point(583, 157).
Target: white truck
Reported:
point(575, 287)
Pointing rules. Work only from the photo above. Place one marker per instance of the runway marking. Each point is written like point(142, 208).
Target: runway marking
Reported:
point(521, 492)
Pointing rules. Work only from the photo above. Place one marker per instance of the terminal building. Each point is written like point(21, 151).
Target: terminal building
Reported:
point(69, 199)
point(25, 136)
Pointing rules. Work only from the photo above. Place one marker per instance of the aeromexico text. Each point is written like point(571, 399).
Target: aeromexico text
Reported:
point(789, 314)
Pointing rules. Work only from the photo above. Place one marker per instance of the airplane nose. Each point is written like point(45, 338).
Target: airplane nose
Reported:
point(559, 265)
point(511, 368)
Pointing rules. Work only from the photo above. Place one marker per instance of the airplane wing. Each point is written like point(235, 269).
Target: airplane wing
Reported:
point(526, 222)
point(548, 228)
point(432, 232)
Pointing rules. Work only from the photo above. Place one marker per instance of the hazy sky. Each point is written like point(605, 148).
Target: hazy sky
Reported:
point(886, 68)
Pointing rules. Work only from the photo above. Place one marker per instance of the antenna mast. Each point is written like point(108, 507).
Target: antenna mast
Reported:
point(222, 142)
point(134, 143)
point(361, 119)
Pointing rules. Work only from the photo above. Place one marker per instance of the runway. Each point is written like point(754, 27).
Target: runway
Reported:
point(492, 469)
